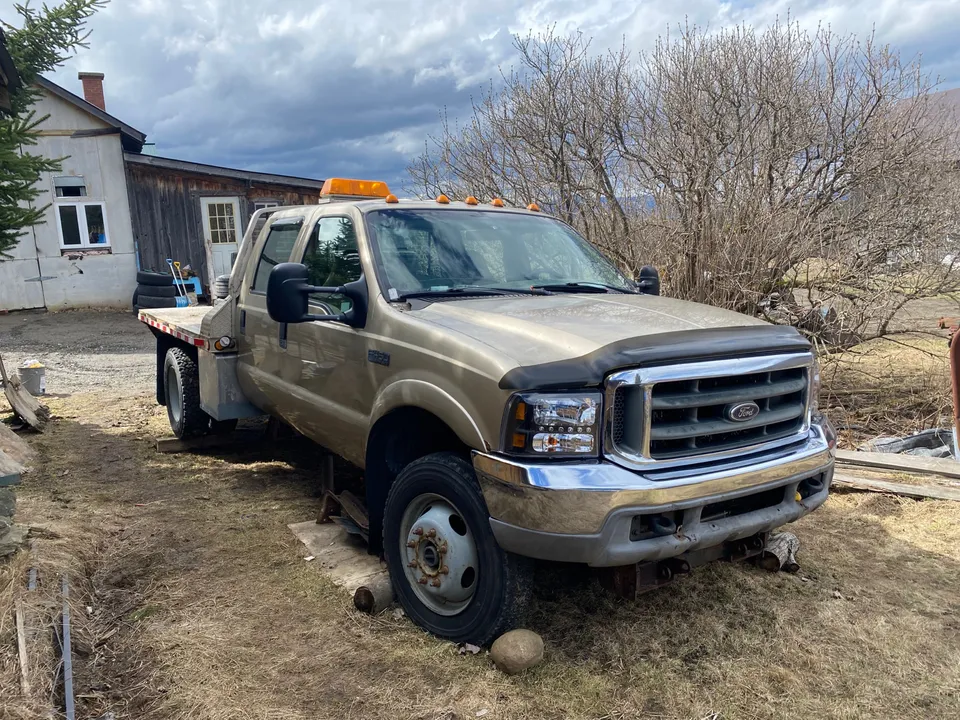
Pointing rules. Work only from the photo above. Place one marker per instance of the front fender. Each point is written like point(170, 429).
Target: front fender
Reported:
point(427, 396)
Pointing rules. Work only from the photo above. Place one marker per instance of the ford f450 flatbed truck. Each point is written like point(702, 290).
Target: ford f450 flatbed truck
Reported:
point(509, 393)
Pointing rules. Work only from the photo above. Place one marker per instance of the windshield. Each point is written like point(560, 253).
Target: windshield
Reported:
point(437, 250)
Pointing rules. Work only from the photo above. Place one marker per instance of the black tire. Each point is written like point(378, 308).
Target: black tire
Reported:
point(136, 305)
point(145, 277)
point(149, 301)
point(159, 291)
point(503, 579)
point(181, 387)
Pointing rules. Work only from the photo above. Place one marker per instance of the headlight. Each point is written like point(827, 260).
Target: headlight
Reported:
point(553, 424)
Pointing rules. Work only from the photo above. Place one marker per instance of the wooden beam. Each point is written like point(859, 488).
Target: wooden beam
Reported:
point(901, 463)
point(22, 650)
point(15, 447)
point(204, 442)
point(919, 492)
point(23, 403)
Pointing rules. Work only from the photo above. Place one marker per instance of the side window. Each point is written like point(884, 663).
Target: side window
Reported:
point(276, 250)
point(332, 259)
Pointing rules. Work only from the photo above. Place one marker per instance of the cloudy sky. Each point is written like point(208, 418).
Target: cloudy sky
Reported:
point(353, 88)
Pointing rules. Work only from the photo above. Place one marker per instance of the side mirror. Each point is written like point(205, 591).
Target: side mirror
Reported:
point(649, 282)
point(288, 297)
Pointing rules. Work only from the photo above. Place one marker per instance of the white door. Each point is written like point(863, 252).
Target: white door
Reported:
point(221, 229)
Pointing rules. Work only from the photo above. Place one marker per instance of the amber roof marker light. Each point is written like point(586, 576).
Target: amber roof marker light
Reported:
point(497, 202)
point(533, 207)
point(471, 200)
point(391, 198)
point(354, 188)
point(443, 199)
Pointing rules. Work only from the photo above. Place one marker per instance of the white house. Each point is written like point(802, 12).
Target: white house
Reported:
point(83, 255)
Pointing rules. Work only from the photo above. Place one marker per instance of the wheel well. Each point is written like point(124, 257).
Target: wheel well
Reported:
point(396, 440)
point(164, 343)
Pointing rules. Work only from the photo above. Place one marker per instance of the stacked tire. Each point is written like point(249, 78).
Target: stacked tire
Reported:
point(154, 290)
point(221, 287)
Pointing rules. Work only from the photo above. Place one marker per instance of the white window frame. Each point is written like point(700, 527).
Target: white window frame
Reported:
point(261, 204)
point(85, 243)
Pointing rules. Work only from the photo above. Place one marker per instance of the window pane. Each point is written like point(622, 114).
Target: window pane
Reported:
point(70, 225)
point(332, 259)
point(96, 228)
point(276, 250)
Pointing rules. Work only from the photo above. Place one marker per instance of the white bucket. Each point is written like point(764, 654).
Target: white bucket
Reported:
point(34, 379)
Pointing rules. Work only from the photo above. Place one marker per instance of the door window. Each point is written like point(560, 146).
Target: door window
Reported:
point(223, 224)
point(332, 259)
point(276, 250)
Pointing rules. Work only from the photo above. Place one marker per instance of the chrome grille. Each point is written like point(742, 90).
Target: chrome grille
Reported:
point(684, 411)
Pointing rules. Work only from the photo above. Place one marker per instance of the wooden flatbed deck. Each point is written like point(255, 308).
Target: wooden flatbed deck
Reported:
point(182, 323)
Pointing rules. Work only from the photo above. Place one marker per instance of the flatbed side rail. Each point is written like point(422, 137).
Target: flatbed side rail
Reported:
point(187, 337)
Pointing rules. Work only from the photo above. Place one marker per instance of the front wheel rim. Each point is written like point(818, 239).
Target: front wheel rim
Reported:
point(173, 396)
point(441, 563)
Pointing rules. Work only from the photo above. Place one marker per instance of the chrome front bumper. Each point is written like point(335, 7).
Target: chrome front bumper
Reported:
point(583, 512)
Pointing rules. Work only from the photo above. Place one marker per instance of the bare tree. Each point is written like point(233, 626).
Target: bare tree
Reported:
point(802, 176)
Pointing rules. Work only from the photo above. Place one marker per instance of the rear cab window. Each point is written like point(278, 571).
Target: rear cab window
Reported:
point(277, 249)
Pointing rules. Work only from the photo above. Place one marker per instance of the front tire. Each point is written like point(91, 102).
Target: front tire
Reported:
point(449, 573)
point(181, 389)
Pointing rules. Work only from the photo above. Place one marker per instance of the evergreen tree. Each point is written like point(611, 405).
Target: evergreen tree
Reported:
point(44, 39)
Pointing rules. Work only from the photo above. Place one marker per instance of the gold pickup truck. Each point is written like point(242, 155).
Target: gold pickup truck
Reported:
point(509, 393)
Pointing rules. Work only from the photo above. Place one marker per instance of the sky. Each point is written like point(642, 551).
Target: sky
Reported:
point(353, 89)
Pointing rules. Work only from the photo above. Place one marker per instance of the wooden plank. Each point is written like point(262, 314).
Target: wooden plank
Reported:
point(23, 403)
point(902, 463)
point(342, 557)
point(204, 442)
point(15, 447)
point(919, 492)
point(10, 470)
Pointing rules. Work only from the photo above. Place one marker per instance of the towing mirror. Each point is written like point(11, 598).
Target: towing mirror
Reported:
point(649, 282)
point(288, 297)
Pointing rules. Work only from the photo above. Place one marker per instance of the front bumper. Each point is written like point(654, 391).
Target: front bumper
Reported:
point(584, 512)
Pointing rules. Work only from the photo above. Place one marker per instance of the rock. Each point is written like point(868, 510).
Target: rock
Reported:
point(8, 502)
point(12, 540)
point(517, 650)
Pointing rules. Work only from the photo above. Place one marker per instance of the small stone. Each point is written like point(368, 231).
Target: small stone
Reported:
point(515, 651)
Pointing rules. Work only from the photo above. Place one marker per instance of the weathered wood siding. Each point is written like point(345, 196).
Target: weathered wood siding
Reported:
point(166, 211)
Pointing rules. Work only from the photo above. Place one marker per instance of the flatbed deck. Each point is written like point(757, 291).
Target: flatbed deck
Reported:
point(182, 323)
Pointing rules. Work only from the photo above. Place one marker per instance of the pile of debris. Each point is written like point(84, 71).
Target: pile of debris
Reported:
point(937, 442)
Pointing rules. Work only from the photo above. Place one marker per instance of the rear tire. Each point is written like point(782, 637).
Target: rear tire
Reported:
point(145, 277)
point(440, 492)
point(159, 291)
point(149, 301)
point(181, 389)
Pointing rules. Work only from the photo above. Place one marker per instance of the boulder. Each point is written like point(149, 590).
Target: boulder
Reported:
point(515, 651)
point(8, 502)
point(12, 540)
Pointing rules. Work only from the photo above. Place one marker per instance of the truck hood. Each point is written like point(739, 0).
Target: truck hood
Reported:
point(544, 329)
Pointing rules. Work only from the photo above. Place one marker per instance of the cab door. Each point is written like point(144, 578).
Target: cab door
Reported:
point(267, 372)
point(336, 383)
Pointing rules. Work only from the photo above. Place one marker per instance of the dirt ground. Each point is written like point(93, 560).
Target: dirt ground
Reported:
point(191, 598)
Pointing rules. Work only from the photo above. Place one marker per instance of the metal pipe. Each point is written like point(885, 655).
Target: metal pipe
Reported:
point(68, 701)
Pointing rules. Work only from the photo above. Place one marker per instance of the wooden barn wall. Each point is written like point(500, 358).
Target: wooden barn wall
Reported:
point(166, 214)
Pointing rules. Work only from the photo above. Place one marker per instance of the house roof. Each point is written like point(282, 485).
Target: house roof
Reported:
point(217, 170)
point(131, 138)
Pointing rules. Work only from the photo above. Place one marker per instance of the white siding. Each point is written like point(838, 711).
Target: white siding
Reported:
point(90, 280)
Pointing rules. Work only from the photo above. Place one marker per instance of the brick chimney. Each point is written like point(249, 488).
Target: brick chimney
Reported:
point(93, 88)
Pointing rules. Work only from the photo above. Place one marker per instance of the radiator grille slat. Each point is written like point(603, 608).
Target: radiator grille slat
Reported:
point(692, 417)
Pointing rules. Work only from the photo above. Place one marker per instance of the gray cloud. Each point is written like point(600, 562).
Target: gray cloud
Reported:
point(319, 89)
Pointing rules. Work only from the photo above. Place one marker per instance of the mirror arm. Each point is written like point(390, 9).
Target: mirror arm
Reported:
point(340, 317)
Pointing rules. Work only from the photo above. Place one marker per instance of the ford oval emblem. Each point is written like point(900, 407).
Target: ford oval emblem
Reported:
point(741, 412)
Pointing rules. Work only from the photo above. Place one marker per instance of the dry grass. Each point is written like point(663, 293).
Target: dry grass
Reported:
point(890, 386)
point(188, 559)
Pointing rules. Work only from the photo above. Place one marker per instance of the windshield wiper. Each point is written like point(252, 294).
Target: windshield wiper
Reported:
point(589, 287)
point(471, 290)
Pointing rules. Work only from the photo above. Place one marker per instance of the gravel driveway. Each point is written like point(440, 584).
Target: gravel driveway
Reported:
point(83, 350)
